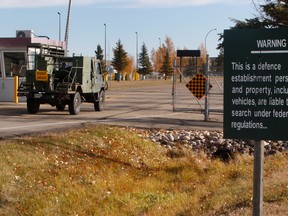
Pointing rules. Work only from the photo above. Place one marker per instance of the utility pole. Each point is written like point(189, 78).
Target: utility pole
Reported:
point(59, 25)
point(136, 51)
point(105, 47)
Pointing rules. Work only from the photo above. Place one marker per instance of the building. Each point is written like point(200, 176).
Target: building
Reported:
point(13, 56)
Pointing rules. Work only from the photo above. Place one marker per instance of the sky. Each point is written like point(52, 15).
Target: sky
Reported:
point(189, 23)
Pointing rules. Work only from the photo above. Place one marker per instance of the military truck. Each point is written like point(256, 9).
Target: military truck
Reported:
point(53, 78)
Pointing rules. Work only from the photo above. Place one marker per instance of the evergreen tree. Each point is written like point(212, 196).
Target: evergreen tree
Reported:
point(99, 52)
point(275, 13)
point(99, 55)
point(166, 67)
point(271, 14)
point(120, 59)
point(144, 61)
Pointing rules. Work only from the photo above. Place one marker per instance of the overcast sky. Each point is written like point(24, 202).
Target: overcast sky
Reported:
point(186, 22)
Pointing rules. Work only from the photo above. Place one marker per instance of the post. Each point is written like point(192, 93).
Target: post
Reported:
point(15, 89)
point(174, 87)
point(180, 69)
point(206, 89)
point(59, 25)
point(258, 178)
point(105, 47)
point(136, 51)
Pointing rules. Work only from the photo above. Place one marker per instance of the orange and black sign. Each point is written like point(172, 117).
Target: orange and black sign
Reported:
point(197, 85)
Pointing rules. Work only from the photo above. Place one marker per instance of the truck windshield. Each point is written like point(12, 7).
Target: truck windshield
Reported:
point(31, 52)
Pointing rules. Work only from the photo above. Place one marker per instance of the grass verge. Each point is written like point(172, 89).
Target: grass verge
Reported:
point(113, 171)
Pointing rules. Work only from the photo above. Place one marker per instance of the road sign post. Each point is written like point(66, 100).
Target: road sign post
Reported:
point(258, 178)
point(256, 92)
point(206, 114)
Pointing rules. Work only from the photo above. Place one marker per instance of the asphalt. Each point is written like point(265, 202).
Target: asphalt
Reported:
point(142, 107)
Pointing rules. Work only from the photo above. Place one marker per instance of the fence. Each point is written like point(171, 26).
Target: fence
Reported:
point(193, 92)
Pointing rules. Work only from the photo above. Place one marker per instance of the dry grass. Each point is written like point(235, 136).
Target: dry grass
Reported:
point(113, 171)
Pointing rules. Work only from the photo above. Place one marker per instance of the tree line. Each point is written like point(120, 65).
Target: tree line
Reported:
point(161, 60)
point(269, 14)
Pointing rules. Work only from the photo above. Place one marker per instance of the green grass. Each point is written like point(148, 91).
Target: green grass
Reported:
point(113, 171)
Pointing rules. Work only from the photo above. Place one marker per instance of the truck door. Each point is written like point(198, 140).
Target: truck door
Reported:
point(93, 74)
point(97, 76)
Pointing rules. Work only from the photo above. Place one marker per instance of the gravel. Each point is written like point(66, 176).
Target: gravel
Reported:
point(210, 142)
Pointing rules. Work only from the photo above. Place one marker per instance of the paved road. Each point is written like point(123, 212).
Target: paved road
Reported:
point(145, 107)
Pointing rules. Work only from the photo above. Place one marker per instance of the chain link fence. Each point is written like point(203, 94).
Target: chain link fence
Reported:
point(185, 99)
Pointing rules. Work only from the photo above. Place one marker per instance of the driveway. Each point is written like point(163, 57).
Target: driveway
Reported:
point(144, 106)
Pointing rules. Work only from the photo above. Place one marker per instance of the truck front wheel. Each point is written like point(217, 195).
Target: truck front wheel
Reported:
point(74, 104)
point(33, 105)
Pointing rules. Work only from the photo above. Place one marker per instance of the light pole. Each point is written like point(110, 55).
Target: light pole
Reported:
point(105, 47)
point(206, 114)
point(160, 58)
point(206, 38)
point(59, 25)
point(136, 51)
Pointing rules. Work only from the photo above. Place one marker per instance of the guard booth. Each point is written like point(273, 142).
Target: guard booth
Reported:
point(13, 55)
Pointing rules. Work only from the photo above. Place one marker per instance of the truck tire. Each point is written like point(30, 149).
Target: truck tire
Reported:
point(106, 85)
point(33, 105)
point(99, 104)
point(74, 104)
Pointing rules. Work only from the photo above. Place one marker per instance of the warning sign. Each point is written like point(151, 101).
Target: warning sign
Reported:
point(197, 85)
point(41, 75)
point(256, 84)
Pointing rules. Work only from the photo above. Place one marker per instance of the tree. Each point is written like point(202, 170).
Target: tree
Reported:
point(99, 52)
point(271, 14)
point(99, 55)
point(144, 61)
point(170, 46)
point(130, 68)
point(156, 57)
point(120, 59)
point(220, 61)
point(202, 60)
point(167, 68)
point(274, 13)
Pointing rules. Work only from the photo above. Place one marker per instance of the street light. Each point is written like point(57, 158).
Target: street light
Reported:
point(206, 113)
point(136, 51)
point(59, 25)
point(105, 46)
point(159, 42)
point(206, 38)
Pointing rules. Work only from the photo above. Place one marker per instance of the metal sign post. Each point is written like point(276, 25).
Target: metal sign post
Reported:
point(206, 114)
point(258, 178)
